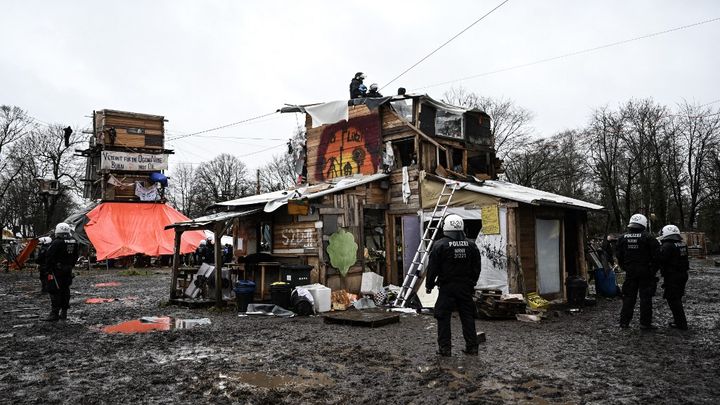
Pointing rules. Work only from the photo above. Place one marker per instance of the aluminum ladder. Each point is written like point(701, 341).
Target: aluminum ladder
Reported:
point(419, 261)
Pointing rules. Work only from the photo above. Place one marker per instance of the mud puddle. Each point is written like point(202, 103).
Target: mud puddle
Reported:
point(154, 324)
point(305, 378)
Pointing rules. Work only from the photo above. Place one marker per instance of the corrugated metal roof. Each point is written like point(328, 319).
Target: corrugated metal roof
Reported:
point(208, 219)
point(277, 199)
point(515, 192)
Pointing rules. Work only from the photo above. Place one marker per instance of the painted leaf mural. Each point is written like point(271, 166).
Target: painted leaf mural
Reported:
point(342, 250)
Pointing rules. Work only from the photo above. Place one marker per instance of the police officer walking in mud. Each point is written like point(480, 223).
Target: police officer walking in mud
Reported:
point(454, 266)
point(637, 254)
point(61, 258)
point(674, 265)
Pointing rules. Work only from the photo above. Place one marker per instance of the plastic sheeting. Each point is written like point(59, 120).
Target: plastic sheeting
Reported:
point(123, 229)
point(493, 249)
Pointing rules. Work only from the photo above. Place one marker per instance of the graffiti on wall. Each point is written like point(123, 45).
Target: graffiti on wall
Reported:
point(349, 147)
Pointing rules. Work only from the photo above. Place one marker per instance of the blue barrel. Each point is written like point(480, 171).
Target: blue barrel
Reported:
point(244, 292)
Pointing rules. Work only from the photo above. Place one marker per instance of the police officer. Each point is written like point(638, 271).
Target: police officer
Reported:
point(61, 258)
point(42, 261)
point(373, 93)
point(674, 267)
point(637, 254)
point(357, 88)
point(454, 266)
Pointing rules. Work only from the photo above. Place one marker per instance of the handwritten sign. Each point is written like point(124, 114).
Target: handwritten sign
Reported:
point(490, 220)
point(295, 238)
point(112, 160)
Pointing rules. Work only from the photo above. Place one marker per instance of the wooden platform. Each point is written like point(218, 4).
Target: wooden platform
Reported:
point(366, 317)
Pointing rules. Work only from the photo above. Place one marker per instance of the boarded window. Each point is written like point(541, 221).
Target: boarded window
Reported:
point(427, 119)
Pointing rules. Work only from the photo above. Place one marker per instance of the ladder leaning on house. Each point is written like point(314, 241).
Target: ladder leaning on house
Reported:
point(419, 261)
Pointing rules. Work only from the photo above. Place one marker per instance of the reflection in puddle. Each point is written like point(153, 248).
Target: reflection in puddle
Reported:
point(109, 284)
point(305, 378)
point(154, 324)
point(98, 300)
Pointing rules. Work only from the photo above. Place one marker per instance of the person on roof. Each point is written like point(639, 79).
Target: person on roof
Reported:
point(61, 258)
point(454, 266)
point(373, 93)
point(637, 254)
point(357, 88)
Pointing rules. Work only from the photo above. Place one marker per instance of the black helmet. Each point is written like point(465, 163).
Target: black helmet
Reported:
point(360, 75)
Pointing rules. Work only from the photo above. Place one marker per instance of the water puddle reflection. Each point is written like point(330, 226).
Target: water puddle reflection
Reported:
point(154, 324)
point(98, 300)
point(108, 284)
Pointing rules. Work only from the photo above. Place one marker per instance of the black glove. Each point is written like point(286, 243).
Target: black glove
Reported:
point(428, 291)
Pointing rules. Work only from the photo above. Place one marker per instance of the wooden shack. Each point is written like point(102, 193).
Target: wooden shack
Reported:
point(375, 172)
point(124, 149)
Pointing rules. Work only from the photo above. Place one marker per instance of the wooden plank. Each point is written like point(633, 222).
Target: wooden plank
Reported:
point(514, 270)
point(299, 237)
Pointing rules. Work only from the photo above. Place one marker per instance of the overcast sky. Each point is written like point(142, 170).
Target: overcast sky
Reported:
point(204, 64)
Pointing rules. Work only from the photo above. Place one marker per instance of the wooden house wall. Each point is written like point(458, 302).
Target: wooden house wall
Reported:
point(132, 130)
point(526, 246)
point(346, 210)
point(346, 147)
point(397, 206)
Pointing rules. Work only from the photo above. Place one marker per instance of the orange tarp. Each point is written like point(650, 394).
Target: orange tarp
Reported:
point(123, 229)
point(23, 256)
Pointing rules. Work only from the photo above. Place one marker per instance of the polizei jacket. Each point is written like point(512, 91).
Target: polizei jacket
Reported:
point(638, 254)
point(453, 262)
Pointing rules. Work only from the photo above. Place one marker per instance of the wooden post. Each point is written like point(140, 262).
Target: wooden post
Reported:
point(218, 230)
point(176, 263)
point(582, 263)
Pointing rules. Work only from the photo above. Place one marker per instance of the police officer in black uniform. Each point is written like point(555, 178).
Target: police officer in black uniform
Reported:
point(674, 265)
point(61, 258)
point(357, 88)
point(454, 266)
point(42, 262)
point(637, 254)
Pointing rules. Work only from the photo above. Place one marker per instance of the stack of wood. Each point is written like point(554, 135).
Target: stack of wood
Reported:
point(490, 304)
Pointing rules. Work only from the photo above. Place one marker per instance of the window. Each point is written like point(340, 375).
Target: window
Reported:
point(404, 109)
point(449, 124)
point(265, 237)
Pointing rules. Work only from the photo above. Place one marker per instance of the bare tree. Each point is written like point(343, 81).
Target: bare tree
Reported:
point(699, 129)
point(284, 169)
point(510, 123)
point(221, 179)
point(181, 190)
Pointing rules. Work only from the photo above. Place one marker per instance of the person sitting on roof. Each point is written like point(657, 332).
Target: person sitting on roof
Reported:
point(373, 93)
point(357, 88)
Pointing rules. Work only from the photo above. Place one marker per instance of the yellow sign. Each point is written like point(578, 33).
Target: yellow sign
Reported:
point(490, 220)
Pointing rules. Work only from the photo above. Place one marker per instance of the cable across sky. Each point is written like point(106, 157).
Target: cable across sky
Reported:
point(575, 53)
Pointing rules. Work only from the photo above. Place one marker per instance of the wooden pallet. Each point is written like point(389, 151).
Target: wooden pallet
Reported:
point(369, 318)
point(192, 302)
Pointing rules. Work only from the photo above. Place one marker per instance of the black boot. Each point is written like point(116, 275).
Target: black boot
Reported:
point(471, 351)
point(63, 314)
point(445, 352)
point(54, 316)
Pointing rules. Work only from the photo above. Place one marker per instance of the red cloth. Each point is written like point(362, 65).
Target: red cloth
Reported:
point(123, 229)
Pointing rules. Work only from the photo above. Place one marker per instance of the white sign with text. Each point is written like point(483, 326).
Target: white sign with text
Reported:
point(112, 160)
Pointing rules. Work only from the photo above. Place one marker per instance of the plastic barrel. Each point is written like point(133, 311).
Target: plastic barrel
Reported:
point(244, 293)
point(280, 294)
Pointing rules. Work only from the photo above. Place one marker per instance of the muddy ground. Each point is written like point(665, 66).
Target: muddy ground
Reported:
point(569, 358)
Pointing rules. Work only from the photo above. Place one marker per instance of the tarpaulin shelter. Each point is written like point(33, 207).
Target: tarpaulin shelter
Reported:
point(121, 229)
